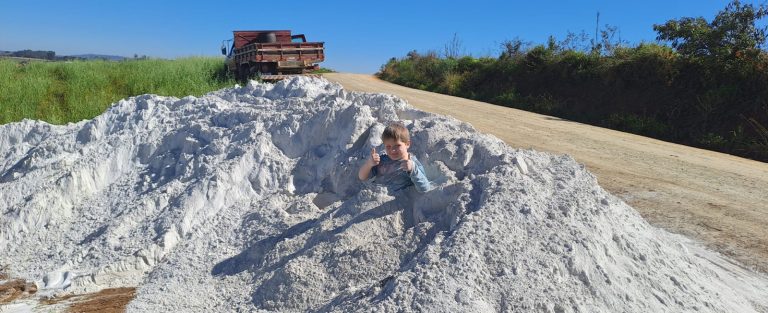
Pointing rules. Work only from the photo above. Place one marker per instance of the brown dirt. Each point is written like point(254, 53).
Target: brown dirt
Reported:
point(716, 198)
point(14, 289)
point(112, 300)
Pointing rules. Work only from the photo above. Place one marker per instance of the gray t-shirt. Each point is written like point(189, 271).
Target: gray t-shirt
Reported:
point(390, 173)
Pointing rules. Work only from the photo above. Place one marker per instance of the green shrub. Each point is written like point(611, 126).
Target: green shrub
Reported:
point(709, 89)
point(647, 89)
point(637, 124)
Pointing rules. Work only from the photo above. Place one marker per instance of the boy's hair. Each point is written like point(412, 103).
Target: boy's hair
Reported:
point(396, 131)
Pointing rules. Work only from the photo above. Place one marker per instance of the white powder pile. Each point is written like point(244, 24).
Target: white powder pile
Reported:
point(247, 199)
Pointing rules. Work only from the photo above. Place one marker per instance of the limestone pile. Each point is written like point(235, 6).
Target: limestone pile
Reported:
point(247, 199)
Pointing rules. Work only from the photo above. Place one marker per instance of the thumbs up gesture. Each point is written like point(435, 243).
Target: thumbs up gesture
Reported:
point(375, 158)
point(406, 163)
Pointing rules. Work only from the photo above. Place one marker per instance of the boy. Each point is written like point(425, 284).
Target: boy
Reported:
point(397, 169)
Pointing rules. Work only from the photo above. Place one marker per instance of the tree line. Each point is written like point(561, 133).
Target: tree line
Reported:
point(703, 84)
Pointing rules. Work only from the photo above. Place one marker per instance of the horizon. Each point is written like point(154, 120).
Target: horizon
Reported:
point(359, 37)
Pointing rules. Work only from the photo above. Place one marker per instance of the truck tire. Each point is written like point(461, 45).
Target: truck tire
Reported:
point(267, 68)
point(255, 71)
point(244, 73)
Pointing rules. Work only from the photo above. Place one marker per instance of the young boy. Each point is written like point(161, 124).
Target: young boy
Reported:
point(397, 169)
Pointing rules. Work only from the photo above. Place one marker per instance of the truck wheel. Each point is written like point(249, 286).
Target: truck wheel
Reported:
point(254, 71)
point(263, 68)
point(244, 73)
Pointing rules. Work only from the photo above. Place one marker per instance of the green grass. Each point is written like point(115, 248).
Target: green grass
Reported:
point(322, 70)
point(62, 92)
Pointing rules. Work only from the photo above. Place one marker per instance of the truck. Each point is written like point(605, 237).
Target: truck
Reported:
point(271, 52)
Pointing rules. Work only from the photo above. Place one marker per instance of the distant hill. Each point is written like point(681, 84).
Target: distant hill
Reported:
point(98, 57)
point(32, 54)
point(51, 55)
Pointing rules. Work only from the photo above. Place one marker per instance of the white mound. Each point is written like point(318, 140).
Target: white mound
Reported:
point(247, 199)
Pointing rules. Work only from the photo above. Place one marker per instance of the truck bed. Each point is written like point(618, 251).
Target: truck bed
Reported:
point(276, 52)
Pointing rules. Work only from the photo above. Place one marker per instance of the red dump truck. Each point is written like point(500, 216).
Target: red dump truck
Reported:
point(271, 52)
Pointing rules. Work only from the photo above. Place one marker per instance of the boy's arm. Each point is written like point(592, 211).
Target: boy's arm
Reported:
point(419, 178)
point(365, 170)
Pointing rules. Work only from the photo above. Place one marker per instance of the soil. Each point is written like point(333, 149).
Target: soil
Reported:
point(14, 289)
point(716, 198)
point(112, 300)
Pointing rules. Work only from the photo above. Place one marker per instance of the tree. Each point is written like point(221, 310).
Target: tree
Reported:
point(514, 48)
point(453, 48)
point(732, 34)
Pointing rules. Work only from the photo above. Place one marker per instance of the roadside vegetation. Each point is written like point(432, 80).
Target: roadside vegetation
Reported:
point(707, 88)
point(322, 70)
point(62, 92)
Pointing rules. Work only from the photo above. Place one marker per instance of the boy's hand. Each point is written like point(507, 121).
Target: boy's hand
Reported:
point(375, 158)
point(407, 164)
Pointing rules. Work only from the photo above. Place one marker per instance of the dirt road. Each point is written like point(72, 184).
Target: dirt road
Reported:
point(716, 198)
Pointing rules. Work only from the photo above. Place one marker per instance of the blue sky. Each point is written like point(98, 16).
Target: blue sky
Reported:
point(359, 35)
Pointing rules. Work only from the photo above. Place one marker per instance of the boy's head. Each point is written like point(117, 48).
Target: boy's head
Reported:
point(396, 141)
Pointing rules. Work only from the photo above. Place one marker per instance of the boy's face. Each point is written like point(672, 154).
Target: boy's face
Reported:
point(396, 149)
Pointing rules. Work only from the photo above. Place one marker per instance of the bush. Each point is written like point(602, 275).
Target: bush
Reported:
point(647, 89)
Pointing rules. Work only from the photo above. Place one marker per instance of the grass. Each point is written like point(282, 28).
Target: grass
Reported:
point(63, 92)
point(322, 70)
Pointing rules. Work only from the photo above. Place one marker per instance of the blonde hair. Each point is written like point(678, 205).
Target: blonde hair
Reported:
point(396, 131)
